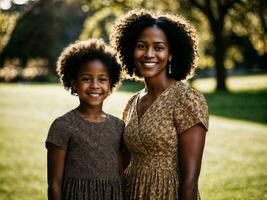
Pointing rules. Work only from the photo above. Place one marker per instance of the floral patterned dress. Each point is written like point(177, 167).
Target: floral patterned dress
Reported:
point(153, 172)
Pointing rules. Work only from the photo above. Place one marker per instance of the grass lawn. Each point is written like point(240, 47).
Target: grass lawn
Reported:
point(235, 159)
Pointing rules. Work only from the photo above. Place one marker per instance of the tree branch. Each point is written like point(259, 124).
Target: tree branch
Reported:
point(223, 8)
point(198, 5)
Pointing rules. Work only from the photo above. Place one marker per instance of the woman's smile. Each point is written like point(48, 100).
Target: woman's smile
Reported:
point(149, 64)
point(151, 53)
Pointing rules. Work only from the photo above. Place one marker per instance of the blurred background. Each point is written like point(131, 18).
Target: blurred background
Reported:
point(232, 74)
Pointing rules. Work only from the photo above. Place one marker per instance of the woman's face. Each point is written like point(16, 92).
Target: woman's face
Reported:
point(151, 53)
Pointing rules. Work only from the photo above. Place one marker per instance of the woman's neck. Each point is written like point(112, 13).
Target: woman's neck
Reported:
point(156, 86)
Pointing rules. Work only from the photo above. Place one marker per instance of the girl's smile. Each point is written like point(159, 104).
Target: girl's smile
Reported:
point(92, 83)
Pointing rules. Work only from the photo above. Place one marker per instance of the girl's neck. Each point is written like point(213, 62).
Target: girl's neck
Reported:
point(92, 114)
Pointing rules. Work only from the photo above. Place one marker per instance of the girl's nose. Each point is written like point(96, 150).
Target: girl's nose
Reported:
point(94, 84)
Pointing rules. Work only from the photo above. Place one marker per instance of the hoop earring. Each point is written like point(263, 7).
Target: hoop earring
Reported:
point(170, 67)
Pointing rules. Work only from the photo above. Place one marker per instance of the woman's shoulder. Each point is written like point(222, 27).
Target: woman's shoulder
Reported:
point(190, 108)
point(188, 95)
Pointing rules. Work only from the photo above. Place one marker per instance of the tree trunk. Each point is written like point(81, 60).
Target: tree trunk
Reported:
point(219, 56)
point(220, 69)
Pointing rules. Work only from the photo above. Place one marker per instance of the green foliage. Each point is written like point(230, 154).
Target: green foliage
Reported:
point(234, 162)
point(7, 24)
point(107, 11)
point(44, 30)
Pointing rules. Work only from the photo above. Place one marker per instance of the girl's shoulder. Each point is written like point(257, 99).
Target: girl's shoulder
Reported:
point(116, 121)
point(65, 120)
point(67, 117)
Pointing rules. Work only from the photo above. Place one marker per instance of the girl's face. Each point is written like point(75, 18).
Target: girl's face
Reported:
point(92, 83)
point(151, 53)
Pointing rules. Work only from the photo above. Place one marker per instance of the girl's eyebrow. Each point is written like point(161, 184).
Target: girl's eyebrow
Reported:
point(141, 41)
point(88, 74)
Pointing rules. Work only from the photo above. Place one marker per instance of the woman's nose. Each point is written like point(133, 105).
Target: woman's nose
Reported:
point(150, 53)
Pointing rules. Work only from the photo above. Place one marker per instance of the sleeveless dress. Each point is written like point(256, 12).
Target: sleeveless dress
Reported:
point(91, 165)
point(153, 172)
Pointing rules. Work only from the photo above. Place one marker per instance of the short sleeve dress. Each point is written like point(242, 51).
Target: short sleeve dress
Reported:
point(153, 172)
point(91, 164)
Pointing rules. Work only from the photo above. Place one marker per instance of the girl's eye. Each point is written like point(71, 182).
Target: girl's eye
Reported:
point(102, 80)
point(85, 79)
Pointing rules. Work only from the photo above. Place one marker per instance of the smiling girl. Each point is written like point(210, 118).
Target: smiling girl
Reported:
point(83, 144)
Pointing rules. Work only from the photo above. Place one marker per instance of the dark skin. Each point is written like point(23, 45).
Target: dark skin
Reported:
point(55, 169)
point(191, 143)
point(152, 47)
point(92, 78)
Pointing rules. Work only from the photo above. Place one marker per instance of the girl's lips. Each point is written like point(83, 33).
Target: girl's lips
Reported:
point(94, 94)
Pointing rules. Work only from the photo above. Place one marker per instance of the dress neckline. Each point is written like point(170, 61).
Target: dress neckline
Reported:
point(90, 122)
point(139, 118)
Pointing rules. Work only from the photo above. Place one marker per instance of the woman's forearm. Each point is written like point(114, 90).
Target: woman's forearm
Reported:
point(188, 190)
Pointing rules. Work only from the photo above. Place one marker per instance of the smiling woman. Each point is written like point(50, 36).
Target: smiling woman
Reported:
point(166, 122)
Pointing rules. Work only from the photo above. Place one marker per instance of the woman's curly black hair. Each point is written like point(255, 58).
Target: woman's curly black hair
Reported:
point(180, 34)
point(77, 54)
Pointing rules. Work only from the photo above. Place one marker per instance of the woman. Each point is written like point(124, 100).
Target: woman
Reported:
point(167, 121)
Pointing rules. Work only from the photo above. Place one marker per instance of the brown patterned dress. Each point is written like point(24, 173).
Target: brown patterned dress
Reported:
point(91, 170)
point(153, 172)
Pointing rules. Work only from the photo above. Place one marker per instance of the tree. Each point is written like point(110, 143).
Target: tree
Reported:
point(215, 13)
point(104, 13)
point(44, 30)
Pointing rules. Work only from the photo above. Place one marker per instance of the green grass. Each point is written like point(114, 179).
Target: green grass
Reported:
point(235, 159)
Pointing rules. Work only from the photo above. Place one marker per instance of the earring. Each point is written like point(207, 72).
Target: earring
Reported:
point(170, 67)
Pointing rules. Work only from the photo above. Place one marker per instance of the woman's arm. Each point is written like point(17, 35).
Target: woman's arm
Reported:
point(55, 170)
point(191, 145)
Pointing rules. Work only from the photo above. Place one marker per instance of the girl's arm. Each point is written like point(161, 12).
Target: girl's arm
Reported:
point(191, 144)
point(124, 157)
point(55, 170)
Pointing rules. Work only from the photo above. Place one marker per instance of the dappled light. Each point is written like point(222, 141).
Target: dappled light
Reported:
point(236, 140)
point(231, 73)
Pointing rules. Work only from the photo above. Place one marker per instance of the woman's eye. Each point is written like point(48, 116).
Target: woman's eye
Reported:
point(159, 48)
point(140, 46)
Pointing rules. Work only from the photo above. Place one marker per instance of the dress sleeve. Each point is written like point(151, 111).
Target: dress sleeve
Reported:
point(190, 109)
point(127, 107)
point(59, 134)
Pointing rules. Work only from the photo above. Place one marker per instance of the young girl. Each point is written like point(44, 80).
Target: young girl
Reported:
point(83, 144)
